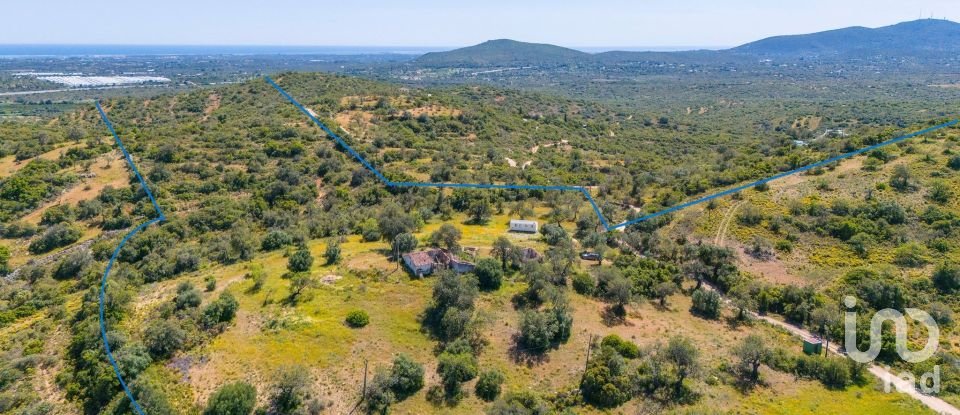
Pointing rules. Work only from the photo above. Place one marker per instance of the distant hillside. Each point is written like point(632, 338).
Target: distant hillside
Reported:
point(504, 52)
point(918, 37)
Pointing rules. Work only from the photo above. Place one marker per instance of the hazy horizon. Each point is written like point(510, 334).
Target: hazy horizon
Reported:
point(605, 24)
point(26, 50)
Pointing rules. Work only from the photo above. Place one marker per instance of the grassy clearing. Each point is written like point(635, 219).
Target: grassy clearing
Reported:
point(9, 164)
point(807, 398)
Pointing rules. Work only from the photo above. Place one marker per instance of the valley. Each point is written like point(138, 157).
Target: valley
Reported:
point(330, 260)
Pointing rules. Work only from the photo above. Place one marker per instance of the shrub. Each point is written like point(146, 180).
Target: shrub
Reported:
point(910, 255)
point(489, 274)
point(706, 303)
point(221, 310)
point(954, 163)
point(784, 246)
point(553, 234)
point(947, 277)
point(406, 376)
point(163, 338)
point(488, 385)
point(584, 284)
point(116, 222)
point(57, 214)
point(404, 243)
point(525, 403)
point(19, 230)
point(71, 266)
point(379, 395)
point(605, 385)
point(275, 240)
point(186, 261)
point(941, 313)
point(537, 330)
point(625, 348)
point(448, 236)
point(332, 253)
point(357, 319)
point(940, 193)
point(836, 373)
point(455, 369)
point(210, 283)
point(300, 261)
point(57, 236)
point(187, 296)
point(290, 390)
point(860, 244)
point(4, 260)
point(750, 215)
point(88, 209)
point(232, 399)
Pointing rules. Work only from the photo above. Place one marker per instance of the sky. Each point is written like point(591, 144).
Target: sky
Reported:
point(583, 23)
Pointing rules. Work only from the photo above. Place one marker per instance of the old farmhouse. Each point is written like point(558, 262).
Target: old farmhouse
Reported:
point(422, 263)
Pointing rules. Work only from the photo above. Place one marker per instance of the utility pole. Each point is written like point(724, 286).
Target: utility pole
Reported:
point(587, 363)
point(396, 251)
point(363, 393)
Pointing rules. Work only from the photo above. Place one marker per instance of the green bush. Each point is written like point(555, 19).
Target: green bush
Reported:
point(232, 399)
point(626, 348)
point(4, 260)
point(947, 277)
point(584, 284)
point(300, 261)
point(163, 338)
point(488, 385)
point(358, 319)
point(187, 296)
point(455, 369)
point(406, 376)
point(750, 215)
point(221, 310)
point(275, 240)
point(290, 390)
point(954, 163)
point(706, 303)
point(332, 253)
point(57, 236)
point(489, 274)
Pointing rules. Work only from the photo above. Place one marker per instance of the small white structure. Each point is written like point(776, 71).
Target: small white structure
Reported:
point(529, 226)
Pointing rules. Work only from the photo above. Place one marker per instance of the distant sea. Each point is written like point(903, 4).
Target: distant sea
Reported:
point(147, 50)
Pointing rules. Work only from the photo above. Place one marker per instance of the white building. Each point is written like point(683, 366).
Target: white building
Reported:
point(530, 226)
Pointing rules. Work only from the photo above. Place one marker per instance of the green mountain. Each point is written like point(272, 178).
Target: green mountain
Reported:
point(916, 38)
point(920, 38)
point(504, 52)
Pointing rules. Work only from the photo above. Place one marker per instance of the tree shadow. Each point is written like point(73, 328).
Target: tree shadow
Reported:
point(528, 358)
point(735, 323)
point(665, 307)
point(747, 386)
point(613, 315)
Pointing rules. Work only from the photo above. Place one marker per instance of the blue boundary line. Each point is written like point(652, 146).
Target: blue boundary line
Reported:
point(116, 252)
point(585, 190)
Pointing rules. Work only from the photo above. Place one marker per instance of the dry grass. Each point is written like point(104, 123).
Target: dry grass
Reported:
point(9, 165)
point(109, 170)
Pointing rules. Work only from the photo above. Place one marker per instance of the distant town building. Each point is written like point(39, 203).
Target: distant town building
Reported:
point(422, 263)
point(529, 226)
